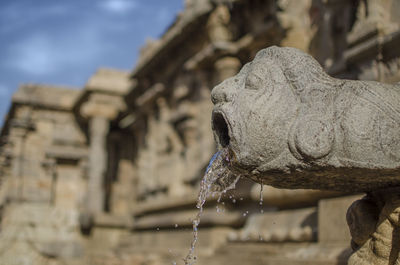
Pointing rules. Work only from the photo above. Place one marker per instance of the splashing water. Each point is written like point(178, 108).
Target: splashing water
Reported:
point(217, 180)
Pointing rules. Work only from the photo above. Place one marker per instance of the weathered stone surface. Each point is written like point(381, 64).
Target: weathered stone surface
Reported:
point(99, 128)
point(48, 96)
point(179, 151)
point(298, 225)
point(290, 125)
point(99, 109)
point(278, 254)
point(67, 152)
point(173, 239)
point(286, 198)
point(69, 189)
point(44, 232)
point(294, 16)
point(184, 219)
point(374, 226)
point(372, 18)
point(67, 133)
point(362, 218)
point(159, 142)
point(113, 221)
point(157, 205)
point(109, 81)
point(60, 249)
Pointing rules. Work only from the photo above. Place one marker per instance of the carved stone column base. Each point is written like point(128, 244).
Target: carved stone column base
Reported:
point(375, 228)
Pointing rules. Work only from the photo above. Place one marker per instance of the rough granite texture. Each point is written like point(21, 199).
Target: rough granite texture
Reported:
point(374, 226)
point(290, 125)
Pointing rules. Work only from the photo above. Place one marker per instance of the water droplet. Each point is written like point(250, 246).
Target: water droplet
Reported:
point(158, 229)
point(261, 197)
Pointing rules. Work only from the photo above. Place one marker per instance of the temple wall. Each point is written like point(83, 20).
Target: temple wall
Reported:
point(43, 188)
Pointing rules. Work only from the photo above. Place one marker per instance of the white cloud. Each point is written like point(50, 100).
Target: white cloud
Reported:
point(118, 6)
point(33, 55)
point(41, 54)
point(15, 16)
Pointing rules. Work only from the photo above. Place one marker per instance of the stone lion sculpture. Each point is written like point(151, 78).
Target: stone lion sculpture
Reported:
point(288, 124)
point(282, 115)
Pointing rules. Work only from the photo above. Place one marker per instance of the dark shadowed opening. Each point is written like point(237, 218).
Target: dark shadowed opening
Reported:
point(221, 129)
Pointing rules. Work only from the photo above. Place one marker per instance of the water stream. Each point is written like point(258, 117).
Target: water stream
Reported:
point(217, 180)
point(261, 196)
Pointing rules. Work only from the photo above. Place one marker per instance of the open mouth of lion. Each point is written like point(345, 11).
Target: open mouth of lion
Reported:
point(221, 129)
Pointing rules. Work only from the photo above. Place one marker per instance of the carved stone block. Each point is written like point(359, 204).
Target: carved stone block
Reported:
point(289, 124)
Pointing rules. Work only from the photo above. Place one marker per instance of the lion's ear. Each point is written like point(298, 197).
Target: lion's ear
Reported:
point(312, 137)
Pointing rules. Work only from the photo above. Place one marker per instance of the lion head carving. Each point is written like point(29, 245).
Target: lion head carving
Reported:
point(291, 125)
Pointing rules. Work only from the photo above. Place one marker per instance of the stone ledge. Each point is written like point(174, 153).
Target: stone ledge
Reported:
point(112, 221)
point(177, 239)
point(369, 48)
point(164, 205)
point(286, 198)
point(45, 96)
point(67, 152)
point(184, 219)
point(279, 254)
point(298, 225)
point(109, 81)
point(160, 205)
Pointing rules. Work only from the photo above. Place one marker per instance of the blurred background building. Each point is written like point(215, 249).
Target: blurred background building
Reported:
point(109, 174)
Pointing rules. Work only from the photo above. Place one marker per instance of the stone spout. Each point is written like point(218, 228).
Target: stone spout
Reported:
point(288, 124)
point(291, 125)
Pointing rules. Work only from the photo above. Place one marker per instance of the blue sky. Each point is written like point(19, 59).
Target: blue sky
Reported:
point(63, 42)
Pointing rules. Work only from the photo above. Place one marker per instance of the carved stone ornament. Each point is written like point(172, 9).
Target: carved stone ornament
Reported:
point(374, 226)
point(290, 125)
point(287, 123)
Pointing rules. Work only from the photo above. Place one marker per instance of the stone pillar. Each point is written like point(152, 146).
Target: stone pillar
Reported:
point(99, 116)
point(226, 67)
point(18, 135)
point(218, 29)
point(218, 25)
point(98, 129)
point(50, 165)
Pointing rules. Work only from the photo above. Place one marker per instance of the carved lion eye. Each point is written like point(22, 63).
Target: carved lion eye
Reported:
point(253, 82)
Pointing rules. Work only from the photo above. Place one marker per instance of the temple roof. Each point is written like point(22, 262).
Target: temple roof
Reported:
point(46, 96)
